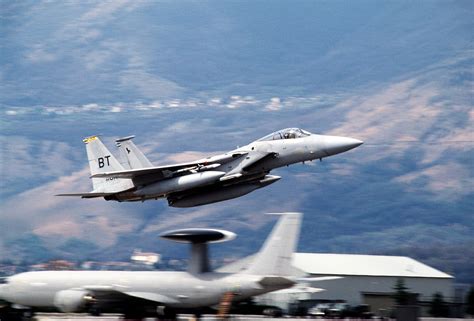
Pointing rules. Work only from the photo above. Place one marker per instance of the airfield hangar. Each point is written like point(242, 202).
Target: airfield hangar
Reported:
point(366, 279)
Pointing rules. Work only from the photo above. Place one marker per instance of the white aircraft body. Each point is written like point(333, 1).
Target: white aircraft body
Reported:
point(207, 180)
point(162, 293)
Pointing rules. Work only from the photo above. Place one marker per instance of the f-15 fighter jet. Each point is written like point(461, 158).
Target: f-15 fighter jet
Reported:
point(208, 180)
point(139, 294)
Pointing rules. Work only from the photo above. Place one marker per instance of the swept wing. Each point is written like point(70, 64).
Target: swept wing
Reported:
point(164, 171)
point(86, 195)
point(150, 174)
point(257, 159)
point(115, 292)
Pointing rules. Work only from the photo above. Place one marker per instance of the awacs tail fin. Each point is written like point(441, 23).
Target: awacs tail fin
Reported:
point(274, 258)
point(135, 159)
point(101, 160)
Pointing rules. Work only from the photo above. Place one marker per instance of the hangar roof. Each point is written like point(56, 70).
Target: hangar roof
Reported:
point(364, 265)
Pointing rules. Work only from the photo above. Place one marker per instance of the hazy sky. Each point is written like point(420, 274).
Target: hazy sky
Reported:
point(197, 78)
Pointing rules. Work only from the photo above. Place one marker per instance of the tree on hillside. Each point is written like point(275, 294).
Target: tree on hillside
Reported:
point(438, 307)
point(401, 295)
point(470, 301)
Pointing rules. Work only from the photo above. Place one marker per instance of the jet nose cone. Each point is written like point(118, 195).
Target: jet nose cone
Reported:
point(336, 144)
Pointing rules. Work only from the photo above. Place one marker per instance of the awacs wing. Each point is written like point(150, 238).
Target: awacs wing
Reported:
point(114, 292)
point(155, 297)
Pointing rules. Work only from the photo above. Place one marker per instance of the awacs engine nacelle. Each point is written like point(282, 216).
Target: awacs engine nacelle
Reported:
point(72, 300)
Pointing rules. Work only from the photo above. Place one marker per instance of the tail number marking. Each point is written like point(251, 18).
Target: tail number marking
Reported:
point(103, 160)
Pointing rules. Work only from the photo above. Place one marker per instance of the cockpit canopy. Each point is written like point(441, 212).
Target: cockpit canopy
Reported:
point(287, 133)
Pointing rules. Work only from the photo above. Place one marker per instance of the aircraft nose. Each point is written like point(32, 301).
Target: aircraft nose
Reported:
point(3, 291)
point(336, 144)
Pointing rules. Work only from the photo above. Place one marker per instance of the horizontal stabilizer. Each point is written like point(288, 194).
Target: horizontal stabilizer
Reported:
point(86, 195)
point(301, 290)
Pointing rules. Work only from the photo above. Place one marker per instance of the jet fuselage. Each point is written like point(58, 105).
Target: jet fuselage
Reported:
point(245, 173)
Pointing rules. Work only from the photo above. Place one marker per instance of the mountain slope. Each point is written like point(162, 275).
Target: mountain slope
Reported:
point(189, 83)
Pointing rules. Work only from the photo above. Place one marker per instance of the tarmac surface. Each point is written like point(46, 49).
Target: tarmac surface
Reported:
point(117, 317)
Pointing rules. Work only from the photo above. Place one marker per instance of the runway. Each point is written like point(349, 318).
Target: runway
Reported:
point(186, 317)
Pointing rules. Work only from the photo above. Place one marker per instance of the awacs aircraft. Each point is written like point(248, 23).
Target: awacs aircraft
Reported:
point(140, 294)
point(206, 180)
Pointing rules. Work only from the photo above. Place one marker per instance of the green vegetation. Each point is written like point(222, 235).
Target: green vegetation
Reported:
point(470, 301)
point(401, 294)
point(438, 307)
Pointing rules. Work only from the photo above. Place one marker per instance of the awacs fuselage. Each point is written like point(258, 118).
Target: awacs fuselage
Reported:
point(206, 180)
point(73, 291)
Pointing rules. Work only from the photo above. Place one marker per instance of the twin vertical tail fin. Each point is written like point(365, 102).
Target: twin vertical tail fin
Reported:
point(135, 159)
point(274, 258)
point(101, 160)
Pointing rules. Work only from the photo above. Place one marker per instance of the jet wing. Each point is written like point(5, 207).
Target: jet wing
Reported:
point(164, 171)
point(86, 195)
point(160, 172)
point(256, 159)
point(249, 164)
